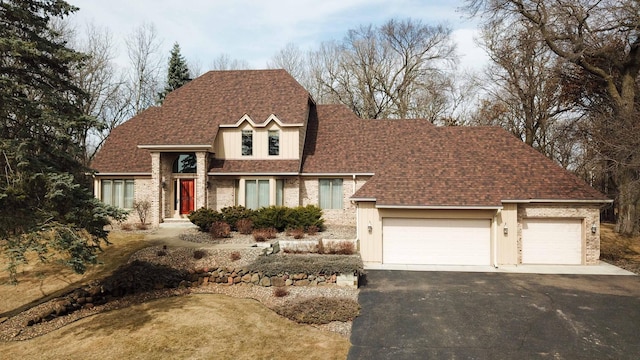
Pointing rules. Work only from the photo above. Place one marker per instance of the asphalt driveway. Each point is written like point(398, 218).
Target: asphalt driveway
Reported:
point(453, 315)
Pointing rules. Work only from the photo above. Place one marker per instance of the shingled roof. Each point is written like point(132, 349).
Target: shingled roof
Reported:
point(417, 164)
point(192, 114)
point(414, 163)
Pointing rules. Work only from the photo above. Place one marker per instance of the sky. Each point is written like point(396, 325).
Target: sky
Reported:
point(255, 30)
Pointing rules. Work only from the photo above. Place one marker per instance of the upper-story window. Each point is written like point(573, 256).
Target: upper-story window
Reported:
point(185, 164)
point(247, 142)
point(274, 142)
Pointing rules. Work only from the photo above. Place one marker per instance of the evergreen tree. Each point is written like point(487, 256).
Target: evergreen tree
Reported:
point(177, 73)
point(45, 204)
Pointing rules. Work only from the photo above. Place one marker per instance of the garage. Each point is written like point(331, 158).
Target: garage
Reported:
point(552, 241)
point(436, 241)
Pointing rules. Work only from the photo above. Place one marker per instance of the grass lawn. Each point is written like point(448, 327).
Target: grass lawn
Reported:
point(39, 281)
point(189, 327)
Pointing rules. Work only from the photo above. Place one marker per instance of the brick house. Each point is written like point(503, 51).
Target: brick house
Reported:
point(417, 193)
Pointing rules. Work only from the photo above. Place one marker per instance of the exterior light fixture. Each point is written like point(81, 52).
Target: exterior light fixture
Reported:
point(505, 229)
point(370, 227)
point(594, 228)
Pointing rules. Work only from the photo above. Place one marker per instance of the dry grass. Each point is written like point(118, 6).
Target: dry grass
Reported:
point(622, 251)
point(41, 281)
point(320, 310)
point(182, 328)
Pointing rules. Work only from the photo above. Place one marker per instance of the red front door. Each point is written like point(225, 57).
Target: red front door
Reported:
point(187, 187)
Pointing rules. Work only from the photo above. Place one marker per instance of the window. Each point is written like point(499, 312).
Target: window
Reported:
point(185, 164)
point(256, 193)
point(330, 194)
point(247, 142)
point(118, 193)
point(279, 192)
point(274, 142)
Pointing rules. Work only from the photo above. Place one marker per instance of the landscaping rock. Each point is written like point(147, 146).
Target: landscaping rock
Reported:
point(265, 281)
point(288, 282)
point(246, 278)
point(255, 278)
point(277, 281)
point(302, 282)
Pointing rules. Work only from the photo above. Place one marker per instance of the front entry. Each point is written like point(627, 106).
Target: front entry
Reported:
point(187, 196)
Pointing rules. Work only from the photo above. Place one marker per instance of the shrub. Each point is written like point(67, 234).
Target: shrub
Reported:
point(126, 226)
point(339, 248)
point(308, 264)
point(142, 208)
point(161, 253)
point(220, 229)
point(312, 230)
point(297, 233)
point(272, 217)
point(231, 215)
point(244, 226)
point(280, 292)
point(204, 217)
point(141, 226)
point(199, 254)
point(306, 217)
point(261, 235)
point(320, 310)
point(234, 256)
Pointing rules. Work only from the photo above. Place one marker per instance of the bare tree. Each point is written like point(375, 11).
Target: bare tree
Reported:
point(104, 86)
point(143, 49)
point(602, 40)
point(225, 62)
point(524, 89)
point(379, 71)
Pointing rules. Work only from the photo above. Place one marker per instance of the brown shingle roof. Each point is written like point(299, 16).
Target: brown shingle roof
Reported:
point(120, 153)
point(255, 166)
point(192, 114)
point(417, 164)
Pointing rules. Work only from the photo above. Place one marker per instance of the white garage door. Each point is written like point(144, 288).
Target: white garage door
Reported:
point(436, 241)
point(552, 241)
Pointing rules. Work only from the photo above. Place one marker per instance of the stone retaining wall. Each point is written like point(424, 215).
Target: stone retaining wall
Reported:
point(228, 276)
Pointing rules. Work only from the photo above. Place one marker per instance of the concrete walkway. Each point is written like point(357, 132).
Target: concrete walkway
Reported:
point(602, 268)
point(169, 234)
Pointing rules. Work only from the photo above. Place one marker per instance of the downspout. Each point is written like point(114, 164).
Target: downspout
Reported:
point(495, 240)
point(354, 184)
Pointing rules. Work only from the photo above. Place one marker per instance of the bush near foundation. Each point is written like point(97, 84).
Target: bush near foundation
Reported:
point(204, 217)
point(232, 214)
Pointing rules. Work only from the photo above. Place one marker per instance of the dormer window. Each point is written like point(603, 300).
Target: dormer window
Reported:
point(274, 142)
point(247, 142)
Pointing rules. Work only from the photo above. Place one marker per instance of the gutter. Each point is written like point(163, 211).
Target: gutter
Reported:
point(529, 201)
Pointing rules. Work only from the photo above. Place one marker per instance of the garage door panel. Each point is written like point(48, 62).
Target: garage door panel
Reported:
point(552, 241)
point(436, 241)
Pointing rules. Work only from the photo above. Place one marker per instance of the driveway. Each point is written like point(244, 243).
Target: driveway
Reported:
point(453, 315)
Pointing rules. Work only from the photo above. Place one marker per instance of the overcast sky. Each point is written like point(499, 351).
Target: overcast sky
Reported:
point(255, 30)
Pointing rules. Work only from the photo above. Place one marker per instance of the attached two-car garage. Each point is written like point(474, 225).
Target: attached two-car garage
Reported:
point(415, 241)
point(436, 241)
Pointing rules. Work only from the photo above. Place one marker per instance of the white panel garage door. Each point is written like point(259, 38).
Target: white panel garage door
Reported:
point(552, 241)
point(436, 241)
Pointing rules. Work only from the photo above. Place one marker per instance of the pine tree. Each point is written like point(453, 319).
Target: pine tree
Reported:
point(45, 204)
point(177, 72)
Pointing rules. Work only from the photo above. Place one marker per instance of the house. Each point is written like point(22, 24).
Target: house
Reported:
point(417, 193)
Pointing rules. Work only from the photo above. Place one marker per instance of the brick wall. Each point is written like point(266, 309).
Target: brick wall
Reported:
point(588, 213)
point(346, 215)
